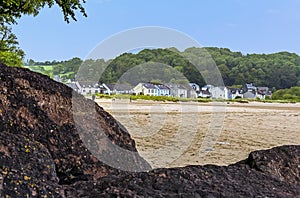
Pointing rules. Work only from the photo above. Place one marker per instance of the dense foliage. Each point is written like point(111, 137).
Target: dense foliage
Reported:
point(278, 71)
point(287, 94)
point(10, 53)
point(11, 10)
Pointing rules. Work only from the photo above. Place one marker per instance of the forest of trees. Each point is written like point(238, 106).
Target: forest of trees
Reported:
point(287, 94)
point(277, 71)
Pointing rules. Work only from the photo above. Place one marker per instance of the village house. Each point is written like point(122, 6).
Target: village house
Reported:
point(251, 91)
point(117, 89)
point(250, 95)
point(194, 93)
point(177, 90)
point(169, 89)
point(219, 93)
point(207, 87)
point(86, 88)
point(248, 87)
point(146, 89)
point(226, 93)
point(205, 91)
point(195, 86)
point(235, 93)
point(262, 92)
point(163, 90)
point(204, 94)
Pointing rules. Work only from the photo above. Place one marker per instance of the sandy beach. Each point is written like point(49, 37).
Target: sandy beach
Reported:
point(171, 134)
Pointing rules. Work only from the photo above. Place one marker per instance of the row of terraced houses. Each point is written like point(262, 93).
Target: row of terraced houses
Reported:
point(191, 90)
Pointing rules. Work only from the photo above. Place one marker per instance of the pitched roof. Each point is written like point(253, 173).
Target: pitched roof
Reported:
point(161, 87)
point(122, 87)
point(175, 86)
point(250, 86)
point(110, 86)
point(91, 85)
point(88, 84)
point(149, 85)
point(234, 90)
point(263, 88)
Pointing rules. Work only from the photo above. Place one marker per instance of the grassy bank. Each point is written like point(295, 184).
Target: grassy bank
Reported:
point(176, 99)
point(153, 98)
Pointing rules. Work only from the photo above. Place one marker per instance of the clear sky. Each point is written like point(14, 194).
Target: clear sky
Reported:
point(249, 26)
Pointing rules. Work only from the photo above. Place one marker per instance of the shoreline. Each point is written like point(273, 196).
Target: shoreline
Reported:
point(251, 104)
point(172, 134)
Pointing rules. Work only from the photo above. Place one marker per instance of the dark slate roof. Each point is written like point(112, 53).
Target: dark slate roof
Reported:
point(149, 86)
point(161, 87)
point(122, 87)
point(88, 84)
point(91, 85)
point(263, 88)
point(175, 86)
point(110, 86)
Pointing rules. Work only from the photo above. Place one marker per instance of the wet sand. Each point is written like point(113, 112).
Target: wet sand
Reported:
point(171, 134)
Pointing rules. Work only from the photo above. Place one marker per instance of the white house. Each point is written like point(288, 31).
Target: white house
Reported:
point(86, 88)
point(117, 88)
point(163, 90)
point(235, 93)
point(219, 93)
point(191, 93)
point(195, 86)
point(205, 91)
point(177, 90)
point(251, 91)
point(262, 92)
point(146, 89)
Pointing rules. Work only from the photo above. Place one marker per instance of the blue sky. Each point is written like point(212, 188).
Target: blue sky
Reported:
point(249, 26)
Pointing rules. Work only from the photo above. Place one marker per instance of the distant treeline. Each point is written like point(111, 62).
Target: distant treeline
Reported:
point(292, 94)
point(277, 71)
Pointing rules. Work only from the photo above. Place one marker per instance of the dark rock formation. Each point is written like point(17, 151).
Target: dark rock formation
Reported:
point(42, 152)
point(34, 107)
point(270, 173)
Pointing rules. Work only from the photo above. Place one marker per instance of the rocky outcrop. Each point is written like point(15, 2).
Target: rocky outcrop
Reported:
point(270, 173)
point(34, 107)
point(45, 130)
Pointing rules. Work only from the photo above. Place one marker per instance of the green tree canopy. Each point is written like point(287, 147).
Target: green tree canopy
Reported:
point(277, 71)
point(8, 41)
point(13, 9)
